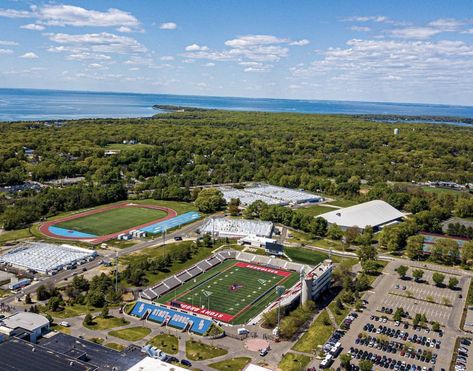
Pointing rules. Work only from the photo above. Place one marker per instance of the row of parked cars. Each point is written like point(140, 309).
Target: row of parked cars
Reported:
point(462, 355)
point(385, 361)
point(403, 335)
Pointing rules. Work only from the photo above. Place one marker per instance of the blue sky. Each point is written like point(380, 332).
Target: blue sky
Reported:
point(400, 51)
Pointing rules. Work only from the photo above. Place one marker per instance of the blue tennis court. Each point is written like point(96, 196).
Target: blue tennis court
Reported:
point(171, 223)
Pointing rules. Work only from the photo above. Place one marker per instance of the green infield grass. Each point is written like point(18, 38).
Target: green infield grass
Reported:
point(113, 221)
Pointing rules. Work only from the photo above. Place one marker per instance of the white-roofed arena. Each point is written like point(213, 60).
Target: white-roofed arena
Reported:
point(236, 228)
point(269, 194)
point(375, 213)
point(46, 258)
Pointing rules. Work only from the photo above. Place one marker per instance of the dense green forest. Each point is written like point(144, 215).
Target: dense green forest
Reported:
point(178, 150)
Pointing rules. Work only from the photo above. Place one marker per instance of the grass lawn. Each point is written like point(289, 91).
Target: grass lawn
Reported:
point(65, 330)
point(131, 333)
point(167, 343)
point(155, 252)
point(317, 334)
point(342, 203)
point(314, 210)
point(305, 256)
point(234, 364)
point(107, 323)
point(198, 351)
point(294, 362)
point(115, 346)
point(14, 235)
point(339, 314)
point(96, 340)
point(306, 239)
point(112, 221)
point(72, 311)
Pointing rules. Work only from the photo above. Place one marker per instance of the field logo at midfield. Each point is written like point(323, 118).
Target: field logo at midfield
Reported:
point(235, 287)
point(207, 293)
point(261, 281)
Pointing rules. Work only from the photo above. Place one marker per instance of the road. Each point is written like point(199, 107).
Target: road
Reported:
point(110, 254)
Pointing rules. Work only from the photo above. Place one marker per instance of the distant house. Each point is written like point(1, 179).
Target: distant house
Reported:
point(376, 214)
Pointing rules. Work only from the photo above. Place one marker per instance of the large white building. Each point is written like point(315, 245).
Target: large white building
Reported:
point(376, 214)
point(46, 258)
point(269, 194)
point(236, 228)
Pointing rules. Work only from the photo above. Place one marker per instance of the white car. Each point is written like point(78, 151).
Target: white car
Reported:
point(65, 324)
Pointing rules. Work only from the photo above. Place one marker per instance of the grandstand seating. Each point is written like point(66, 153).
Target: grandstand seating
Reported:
point(171, 317)
point(172, 282)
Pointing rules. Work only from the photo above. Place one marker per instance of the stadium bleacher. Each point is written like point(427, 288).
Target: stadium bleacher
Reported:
point(171, 317)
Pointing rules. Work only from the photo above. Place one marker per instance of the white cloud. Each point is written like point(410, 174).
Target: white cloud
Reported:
point(124, 29)
point(415, 32)
point(375, 18)
point(196, 47)
point(302, 42)
point(70, 15)
point(168, 26)
point(6, 51)
point(258, 48)
point(12, 13)
point(254, 40)
point(360, 28)
point(29, 55)
point(97, 43)
point(408, 62)
point(167, 58)
point(210, 64)
point(33, 27)
point(8, 43)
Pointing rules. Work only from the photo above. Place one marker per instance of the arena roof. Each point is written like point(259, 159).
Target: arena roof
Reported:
point(373, 213)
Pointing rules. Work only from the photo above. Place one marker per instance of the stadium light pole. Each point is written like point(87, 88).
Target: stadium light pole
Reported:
point(116, 271)
point(279, 291)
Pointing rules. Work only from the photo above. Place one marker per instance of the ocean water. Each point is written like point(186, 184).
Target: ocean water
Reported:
point(32, 104)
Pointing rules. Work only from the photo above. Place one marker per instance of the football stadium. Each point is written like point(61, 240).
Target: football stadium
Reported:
point(234, 287)
point(105, 223)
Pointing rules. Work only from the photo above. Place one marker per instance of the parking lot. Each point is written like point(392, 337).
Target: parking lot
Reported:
point(390, 344)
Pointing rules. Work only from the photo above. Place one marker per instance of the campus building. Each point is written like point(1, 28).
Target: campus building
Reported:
point(25, 325)
point(236, 228)
point(376, 213)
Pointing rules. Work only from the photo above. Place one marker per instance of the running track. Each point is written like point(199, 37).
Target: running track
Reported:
point(44, 228)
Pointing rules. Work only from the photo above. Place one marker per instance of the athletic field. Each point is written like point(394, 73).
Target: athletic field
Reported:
point(113, 220)
point(232, 292)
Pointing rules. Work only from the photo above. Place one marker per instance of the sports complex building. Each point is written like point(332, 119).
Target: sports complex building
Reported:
point(232, 287)
point(376, 214)
point(46, 258)
point(236, 228)
point(269, 194)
